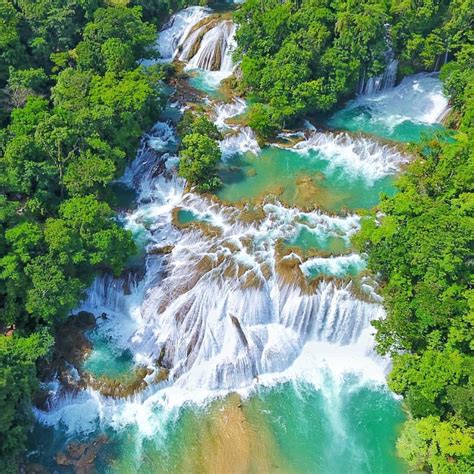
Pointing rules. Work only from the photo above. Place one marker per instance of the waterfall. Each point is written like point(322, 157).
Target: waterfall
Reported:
point(202, 40)
point(242, 140)
point(225, 309)
point(383, 82)
point(224, 111)
point(388, 78)
point(212, 50)
point(358, 156)
point(178, 27)
point(404, 113)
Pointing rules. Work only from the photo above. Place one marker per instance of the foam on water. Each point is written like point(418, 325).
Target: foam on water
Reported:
point(402, 113)
point(243, 141)
point(224, 111)
point(216, 310)
point(333, 266)
point(355, 155)
point(225, 309)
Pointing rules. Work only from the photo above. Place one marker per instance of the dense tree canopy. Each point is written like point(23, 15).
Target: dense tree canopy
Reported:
point(305, 56)
point(75, 102)
point(422, 248)
point(199, 153)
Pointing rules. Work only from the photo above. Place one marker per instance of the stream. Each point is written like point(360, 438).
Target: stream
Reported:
point(251, 312)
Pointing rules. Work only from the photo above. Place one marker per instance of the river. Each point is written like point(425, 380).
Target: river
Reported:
point(252, 310)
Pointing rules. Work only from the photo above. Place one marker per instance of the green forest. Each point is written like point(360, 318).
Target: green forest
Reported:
point(305, 57)
point(75, 102)
point(76, 99)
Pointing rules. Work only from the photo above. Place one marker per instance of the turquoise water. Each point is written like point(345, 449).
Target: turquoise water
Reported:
point(291, 428)
point(186, 216)
point(106, 359)
point(340, 424)
point(306, 181)
point(406, 113)
point(313, 437)
point(339, 267)
point(206, 82)
point(362, 119)
point(308, 240)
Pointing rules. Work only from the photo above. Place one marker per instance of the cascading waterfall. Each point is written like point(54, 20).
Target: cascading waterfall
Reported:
point(210, 51)
point(202, 40)
point(386, 80)
point(224, 311)
point(358, 155)
point(402, 113)
point(229, 299)
point(178, 28)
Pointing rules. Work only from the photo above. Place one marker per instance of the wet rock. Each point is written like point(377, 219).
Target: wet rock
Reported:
point(35, 468)
point(81, 456)
point(85, 320)
point(162, 375)
point(118, 388)
point(165, 250)
point(70, 349)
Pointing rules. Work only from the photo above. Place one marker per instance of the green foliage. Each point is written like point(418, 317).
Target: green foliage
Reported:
point(75, 106)
point(199, 157)
point(421, 247)
point(445, 448)
point(17, 384)
point(305, 56)
point(115, 39)
point(262, 121)
point(200, 152)
point(11, 48)
point(192, 122)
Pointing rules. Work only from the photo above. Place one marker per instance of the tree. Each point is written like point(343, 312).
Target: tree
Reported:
point(11, 48)
point(18, 382)
point(88, 174)
point(199, 157)
point(116, 38)
point(444, 447)
point(420, 244)
point(192, 122)
point(52, 293)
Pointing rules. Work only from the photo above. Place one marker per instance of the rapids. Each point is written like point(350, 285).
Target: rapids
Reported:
point(251, 311)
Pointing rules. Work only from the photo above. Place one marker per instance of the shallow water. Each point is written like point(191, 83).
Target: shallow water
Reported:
point(300, 180)
point(406, 113)
point(271, 364)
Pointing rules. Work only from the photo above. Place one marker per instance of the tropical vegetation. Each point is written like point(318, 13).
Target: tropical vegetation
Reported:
point(301, 57)
point(75, 102)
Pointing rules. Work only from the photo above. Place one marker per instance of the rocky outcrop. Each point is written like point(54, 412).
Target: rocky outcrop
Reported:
point(81, 456)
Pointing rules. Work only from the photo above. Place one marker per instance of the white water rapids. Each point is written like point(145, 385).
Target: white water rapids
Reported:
point(226, 310)
point(217, 309)
point(201, 40)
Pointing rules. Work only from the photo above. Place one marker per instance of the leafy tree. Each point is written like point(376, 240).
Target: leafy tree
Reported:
point(261, 120)
point(70, 124)
point(192, 122)
point(116, 38)
point(23, 83)
point(89, 173)
point(18, 382)
point(11, 48)
point(199, 157)
point(421, 244)
point(52, 293)
point(433, 444)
